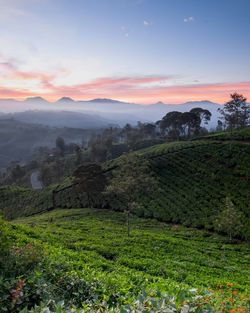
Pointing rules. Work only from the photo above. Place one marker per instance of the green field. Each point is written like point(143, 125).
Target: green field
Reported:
point(84, 256)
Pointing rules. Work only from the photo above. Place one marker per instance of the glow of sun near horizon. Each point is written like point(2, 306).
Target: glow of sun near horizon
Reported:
point(140, 51)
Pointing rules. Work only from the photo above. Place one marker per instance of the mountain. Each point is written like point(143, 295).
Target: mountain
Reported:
point(105, 100)
point(36, 100)
point(60, 119)
point(112, 111)
point(65, 99)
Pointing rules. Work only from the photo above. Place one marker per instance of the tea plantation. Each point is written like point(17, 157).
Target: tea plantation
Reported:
point(84, 258)
point(56, 258)
point(193, 181)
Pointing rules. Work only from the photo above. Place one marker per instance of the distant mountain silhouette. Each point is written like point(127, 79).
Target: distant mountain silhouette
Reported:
point(35, 99)
point(104, 111)
point(65, 99)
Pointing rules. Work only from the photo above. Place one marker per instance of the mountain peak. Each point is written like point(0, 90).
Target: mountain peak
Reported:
point(35, 99)
point(200, 102)
point(65, 99)
point(104, 100)
point(160, 103)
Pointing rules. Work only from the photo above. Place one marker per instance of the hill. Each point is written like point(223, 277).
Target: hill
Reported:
point(84, 258)
point(242, 134)
point(61, 119)
point(193, 181)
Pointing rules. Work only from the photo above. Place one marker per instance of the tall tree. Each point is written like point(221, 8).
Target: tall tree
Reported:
point(172, 124)
point(236, 111)
point(189, 123)
point(203, 116)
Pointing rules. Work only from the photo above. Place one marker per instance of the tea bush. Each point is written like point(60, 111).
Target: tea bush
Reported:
point(84, 258)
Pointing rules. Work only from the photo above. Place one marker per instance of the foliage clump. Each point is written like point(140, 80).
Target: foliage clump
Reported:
point(229, 220)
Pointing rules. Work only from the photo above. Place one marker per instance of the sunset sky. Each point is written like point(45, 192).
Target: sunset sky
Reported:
point(140, 51)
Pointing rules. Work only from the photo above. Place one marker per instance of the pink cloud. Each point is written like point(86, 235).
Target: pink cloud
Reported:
point(10, 71)
point(15, 93)
point(141, 89)
point(135, 90)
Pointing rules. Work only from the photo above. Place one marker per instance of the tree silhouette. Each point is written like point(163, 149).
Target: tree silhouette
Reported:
point(236, 112)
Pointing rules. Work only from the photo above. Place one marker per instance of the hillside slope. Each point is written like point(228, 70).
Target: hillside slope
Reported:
point(193, 181)
point(241, 134)
point(193, 178)
point(84, 257)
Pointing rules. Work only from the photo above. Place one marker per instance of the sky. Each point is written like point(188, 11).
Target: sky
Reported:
point(141, 51)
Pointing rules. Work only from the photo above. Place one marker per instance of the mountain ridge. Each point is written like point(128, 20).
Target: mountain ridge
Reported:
point(117, 112)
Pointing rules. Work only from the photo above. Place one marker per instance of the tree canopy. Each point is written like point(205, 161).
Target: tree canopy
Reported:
point(236, 112)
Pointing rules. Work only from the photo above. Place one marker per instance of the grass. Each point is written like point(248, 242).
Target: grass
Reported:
point(92, 245)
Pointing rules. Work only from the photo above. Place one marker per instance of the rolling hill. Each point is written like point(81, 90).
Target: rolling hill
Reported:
point(60, 119)
point(193, 180)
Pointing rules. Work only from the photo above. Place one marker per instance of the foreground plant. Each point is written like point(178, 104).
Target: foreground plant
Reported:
point(157, 302)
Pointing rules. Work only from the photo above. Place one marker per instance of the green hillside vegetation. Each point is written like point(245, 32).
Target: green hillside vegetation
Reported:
point(193, 181)
point(235, 134)
point(84, 257)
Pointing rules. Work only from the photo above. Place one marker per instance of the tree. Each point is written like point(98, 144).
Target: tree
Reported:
point(146, 130)
point(17, 173)
point(172, 123)
point(98, 151)
point(203, 116)
point(177, 124)
point(60, 145)
point(129, 182)
point(126, 132)
point(219, 126)
point(189, 122)
point(236, 112)
point(229, 220)
point(90, 178)
point(79, 156)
